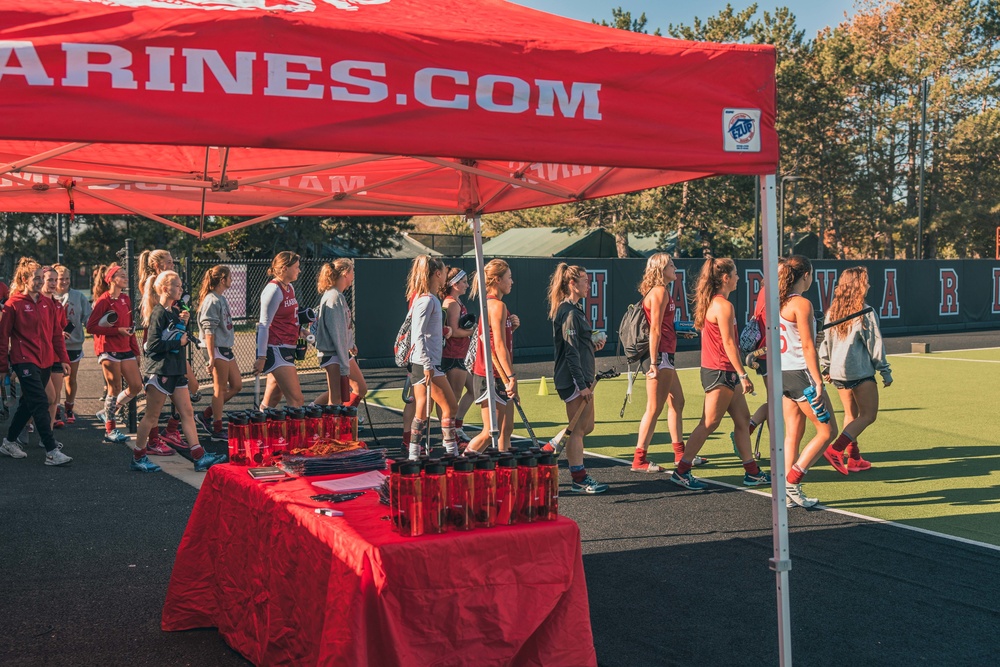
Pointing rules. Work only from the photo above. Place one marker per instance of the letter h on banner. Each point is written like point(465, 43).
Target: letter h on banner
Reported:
point(594, 302)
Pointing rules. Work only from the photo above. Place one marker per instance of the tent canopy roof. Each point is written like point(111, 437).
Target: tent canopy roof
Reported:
point(552, 242)
point(359, 107)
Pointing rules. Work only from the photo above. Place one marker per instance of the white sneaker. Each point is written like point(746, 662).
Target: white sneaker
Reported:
point(793, 492)
point(57, 458)
point(12, 449)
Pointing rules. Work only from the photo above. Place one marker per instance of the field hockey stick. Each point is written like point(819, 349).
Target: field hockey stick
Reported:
point(256, 391)
point(751, 359)
point(556, 443)
point(427, 417)
point(756, 447)
point(517, 404)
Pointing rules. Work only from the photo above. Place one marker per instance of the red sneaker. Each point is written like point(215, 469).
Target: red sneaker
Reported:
point(70, 417)
point(857, 465)
point(836, 459)
point(646, 466)
point(159, 448)
point(174, 439)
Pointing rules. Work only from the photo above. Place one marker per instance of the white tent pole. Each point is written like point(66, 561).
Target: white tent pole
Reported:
point(491, 397)
point(780, 562)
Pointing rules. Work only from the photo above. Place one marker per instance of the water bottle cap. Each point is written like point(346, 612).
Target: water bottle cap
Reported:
point(463, 464)
point(527, 460)
point(258, 417)
point(409, 468)
point(276, 415)
point(506, 461)
point(546, 460)
point(435, 468)
point(239, 418)
point(486, 463)
point(394, 467)
point(296, 413)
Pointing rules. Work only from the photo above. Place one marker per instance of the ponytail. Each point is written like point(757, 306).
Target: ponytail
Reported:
point(713, 271)
point(494, 270)
point(99, 286)
point(23, 273)
point(418, 281)
point(559, 285)
point(150, 294)
point(212, 279)
point(331, 272)
point(790, 270)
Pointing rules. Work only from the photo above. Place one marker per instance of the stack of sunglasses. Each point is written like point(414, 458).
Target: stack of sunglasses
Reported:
point(340, 463)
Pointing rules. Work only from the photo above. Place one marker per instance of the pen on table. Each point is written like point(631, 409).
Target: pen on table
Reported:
point(278, 481)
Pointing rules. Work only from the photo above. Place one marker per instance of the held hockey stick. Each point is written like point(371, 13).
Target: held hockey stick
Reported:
point(556, 443)
point(517, 403)
point(751, 359)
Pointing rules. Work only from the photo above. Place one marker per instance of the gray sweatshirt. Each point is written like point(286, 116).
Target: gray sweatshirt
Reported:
point(77, 313)
point(214, 318)
point(334, 334)
point(426, 332)
point(857, 355)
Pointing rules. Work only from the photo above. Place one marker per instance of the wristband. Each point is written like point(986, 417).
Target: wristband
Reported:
point(743, 376)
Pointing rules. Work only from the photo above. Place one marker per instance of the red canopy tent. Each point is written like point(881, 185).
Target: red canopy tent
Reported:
point(361, 107)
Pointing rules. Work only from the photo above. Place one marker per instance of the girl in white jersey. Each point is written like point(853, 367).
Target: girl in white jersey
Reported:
point(799, 370)
point(278, 331)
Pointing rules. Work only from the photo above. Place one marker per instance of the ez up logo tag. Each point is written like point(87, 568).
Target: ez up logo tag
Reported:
point(741, 130)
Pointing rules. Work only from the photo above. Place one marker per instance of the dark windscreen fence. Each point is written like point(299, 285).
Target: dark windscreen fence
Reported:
point(924, 296)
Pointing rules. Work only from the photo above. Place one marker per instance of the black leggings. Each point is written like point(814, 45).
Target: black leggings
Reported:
point(34, 403)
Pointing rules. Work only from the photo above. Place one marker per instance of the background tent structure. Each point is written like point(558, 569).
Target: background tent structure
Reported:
point(266, 108)
point(552, 242)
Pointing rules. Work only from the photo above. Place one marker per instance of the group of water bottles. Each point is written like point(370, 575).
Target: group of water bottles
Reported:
point(261, 438)
point(432, 496)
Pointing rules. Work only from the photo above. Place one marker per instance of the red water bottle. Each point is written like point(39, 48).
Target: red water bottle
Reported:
point(507, 483)
point(239, 433)
point(352, 420)
point(394, 495)
point(463, 496)
point(329, 422)
point(257, 451)
point(338, 422)
point(435, 497)
point(527, 490)
point(314, 425)
point(486, 493)
point(411, 502)
point(296, 428)
point(548, 488)
point(277, 433)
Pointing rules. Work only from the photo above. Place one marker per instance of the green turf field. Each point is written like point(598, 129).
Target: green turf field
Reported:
point(935, 449)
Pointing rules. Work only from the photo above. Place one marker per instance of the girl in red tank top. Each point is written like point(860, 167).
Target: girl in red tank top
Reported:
point(663, 385)
point(457, 346)
point(722, 374)
point(277, 333)
point(498, 285)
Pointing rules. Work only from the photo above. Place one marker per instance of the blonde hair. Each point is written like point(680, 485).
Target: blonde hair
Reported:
point(652, 277)
point(709, 282)
point(24, 272)
point(212, 279)
point(559, 285)
point(494, 271)
point(282, 261)
point(154, 287)
point(790, 270)
point(848, 297)
point(99, 286)
point(418, 281)
point(151, 263)
point(60, 268)
point(331, 272)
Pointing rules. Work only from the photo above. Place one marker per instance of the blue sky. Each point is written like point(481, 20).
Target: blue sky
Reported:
point(811, 15)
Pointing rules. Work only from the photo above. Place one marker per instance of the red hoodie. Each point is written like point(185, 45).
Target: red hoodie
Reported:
point(31, 330)
point(109, 339)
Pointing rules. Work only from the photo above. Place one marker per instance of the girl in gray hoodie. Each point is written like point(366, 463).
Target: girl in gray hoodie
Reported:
point(335, 342)
point(216, 324)
point(77, 313)
point(849, 355)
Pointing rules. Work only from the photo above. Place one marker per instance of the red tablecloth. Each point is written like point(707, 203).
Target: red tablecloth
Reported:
point(286, 586)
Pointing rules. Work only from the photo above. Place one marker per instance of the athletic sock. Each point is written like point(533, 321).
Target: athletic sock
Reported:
point(416, 437)
point(172, 424)
point(69, 406)
point(795, 474)
point(678, 451)
point(458, 423)
point(683, 467)
point(842, 441)
point(639, 457)
point(579, 473)
point(753, 425)
point(448, 435)
point(217, 425)
point(208, 413)
point(197, 451)
point(137, 454)
point(752, 468)
point(355, 400)
point(121, 398)
point(853, 451)
point(109, 426)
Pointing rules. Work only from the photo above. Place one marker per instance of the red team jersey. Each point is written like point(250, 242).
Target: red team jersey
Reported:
point(668, 336)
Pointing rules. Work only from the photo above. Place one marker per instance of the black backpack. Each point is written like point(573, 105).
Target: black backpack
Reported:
point(633, 334)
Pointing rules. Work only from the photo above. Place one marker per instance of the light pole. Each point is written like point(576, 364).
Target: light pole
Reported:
point(781, 208)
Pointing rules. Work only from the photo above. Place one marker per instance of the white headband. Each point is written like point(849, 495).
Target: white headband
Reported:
point(457, 279)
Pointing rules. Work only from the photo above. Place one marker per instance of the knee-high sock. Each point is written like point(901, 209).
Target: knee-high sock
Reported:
point(416, 437)
point(448, 433)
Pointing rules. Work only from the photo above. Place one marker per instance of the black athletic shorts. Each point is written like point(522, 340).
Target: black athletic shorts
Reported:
point(74, 355)
point(851, 384)
point(448, 364)
point(502, 397)
point(285, 357)
point(56, 368)
point(712, 378)
point(167, 384)
point(793, 383)
point(116, 356)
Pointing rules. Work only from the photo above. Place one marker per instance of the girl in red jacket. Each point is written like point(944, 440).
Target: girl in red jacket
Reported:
point(114, 344)
point(29, 329)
